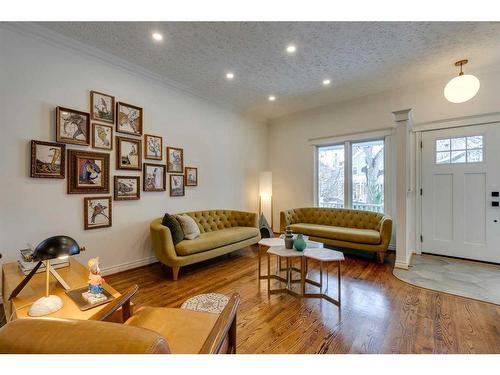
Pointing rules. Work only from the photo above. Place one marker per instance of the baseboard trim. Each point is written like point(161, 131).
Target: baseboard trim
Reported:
point(401, 265)
point(127, 265)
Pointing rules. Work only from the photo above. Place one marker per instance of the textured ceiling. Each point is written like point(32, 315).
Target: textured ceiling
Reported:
point(360, 58)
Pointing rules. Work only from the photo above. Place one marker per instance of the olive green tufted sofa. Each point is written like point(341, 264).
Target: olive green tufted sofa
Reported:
point(343, 228)
point(222, 231)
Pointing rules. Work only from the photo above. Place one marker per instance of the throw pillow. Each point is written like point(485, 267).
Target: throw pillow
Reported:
point(175, 228)
point(189, 226)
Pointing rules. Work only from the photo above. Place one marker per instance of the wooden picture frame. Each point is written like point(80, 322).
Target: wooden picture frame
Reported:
point(150, 175)
point(102, 107)
point(72, 126)
point(128, 157)
point(153, 147)
point(102, 211)
point(177, 188)
point(88, 172)
point(188, 173)
point(48, 160)
point(122, 186)
point(173, 165)
point(102, 140)
point(129, 119)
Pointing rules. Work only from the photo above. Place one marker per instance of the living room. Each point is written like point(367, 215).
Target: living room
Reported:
point(248, 187)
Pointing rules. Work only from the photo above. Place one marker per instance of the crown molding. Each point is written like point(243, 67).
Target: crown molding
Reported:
point(60, 41)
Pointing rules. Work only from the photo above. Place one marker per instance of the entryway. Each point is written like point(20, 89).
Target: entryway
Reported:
point(460, 182)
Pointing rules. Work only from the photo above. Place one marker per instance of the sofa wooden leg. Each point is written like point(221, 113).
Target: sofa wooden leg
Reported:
point(380, 257)
point(175, 273)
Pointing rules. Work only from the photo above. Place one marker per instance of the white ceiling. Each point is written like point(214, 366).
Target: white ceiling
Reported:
point(360, 58)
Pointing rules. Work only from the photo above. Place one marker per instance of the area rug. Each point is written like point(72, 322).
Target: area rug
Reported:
point(470, 279)
point(209, 302)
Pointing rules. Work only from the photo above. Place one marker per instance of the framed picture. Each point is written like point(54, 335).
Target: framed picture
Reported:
point(175, 160)
point(128, 153)
point(176, 185)
point(97, 212)
point(153, 147)
point(154, 176)
point(191, 174)
point(48, 159)
point(102, 107)
point(127, 188)
point(129, 119)
point(72, 126)
point(102, 136)
point(88, 172)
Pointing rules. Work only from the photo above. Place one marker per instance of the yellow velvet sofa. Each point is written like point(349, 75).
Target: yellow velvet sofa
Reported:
point(222, 231)
point(339, 227)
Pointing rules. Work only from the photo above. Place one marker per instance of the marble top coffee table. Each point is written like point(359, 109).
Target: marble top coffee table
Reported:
point(266, 243)
point(316, 253)
point(324, 256)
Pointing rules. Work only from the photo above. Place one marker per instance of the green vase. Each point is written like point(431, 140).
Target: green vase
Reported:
point(299, 244)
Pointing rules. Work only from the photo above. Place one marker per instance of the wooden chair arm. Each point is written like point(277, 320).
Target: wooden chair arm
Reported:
point(225, 326)
point(122, 301)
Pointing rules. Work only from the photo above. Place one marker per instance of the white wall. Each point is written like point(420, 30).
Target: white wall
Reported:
point(291, 154)
point(36, 76)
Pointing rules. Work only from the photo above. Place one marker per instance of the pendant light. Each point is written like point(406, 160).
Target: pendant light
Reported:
point(461, 88)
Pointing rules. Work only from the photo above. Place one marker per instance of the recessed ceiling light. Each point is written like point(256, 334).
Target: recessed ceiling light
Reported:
point(291, 48)
point(229, 75)
point(157, 36)
point(271, 98)
point(326, 82)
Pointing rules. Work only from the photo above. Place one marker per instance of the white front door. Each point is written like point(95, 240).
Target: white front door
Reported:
point(460, 182)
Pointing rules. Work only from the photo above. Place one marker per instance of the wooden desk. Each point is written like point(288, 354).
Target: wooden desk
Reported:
point(76, 275)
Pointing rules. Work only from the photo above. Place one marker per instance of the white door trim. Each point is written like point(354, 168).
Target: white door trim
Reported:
point(481, 119)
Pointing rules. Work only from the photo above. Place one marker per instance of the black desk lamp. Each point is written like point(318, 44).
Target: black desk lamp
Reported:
point(51, 248)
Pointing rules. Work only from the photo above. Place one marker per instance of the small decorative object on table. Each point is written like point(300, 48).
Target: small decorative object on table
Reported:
point(299, 243)
point(288, 239)
point(95, 293)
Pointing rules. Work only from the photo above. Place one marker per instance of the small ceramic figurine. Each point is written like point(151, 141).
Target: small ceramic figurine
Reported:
point(95, 278)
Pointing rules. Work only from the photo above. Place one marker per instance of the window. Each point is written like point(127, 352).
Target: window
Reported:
point(365, 178)
point(459, 150)
point(368, 184)
point(331, 176)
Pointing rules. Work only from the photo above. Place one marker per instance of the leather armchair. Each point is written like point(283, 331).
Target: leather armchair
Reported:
point(149, 331)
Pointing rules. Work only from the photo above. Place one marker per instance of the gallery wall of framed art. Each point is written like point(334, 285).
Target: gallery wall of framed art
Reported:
point(89, 172)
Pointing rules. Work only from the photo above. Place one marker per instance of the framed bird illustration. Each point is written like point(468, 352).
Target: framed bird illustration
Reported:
point(102, 107)
point(102, 136)
point(97, 212)
point(88, 172)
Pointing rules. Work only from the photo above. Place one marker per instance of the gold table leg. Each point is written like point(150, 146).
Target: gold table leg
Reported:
point(268, 275)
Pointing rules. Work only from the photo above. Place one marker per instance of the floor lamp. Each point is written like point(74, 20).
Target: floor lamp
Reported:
point(266, 193)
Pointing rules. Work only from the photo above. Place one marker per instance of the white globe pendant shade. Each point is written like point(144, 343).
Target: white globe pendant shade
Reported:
point(461, 88)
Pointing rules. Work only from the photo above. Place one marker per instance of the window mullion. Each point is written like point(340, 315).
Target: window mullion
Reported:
point(347, 175)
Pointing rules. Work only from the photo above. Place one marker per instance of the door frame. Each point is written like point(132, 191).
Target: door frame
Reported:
point(419, 129)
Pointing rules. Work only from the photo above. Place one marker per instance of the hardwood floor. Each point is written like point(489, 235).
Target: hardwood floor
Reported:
point(380, 314)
